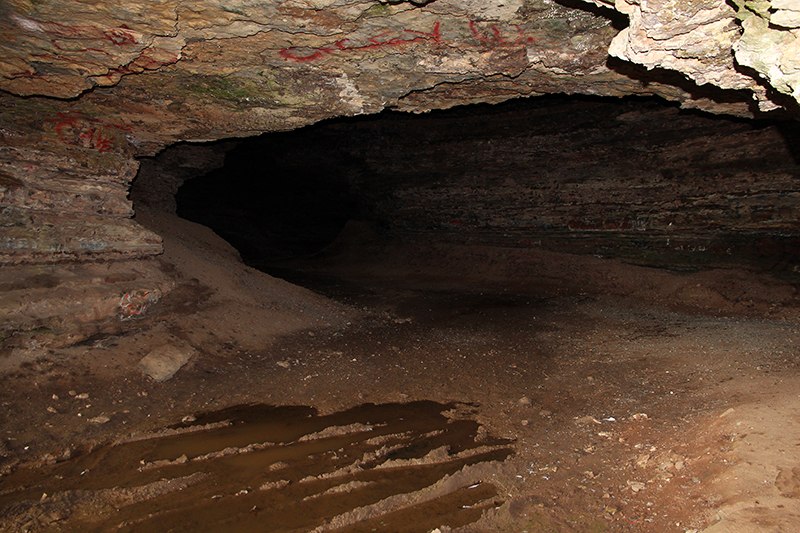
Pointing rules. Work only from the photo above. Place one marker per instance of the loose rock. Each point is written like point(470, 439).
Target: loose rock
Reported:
point(163, 362)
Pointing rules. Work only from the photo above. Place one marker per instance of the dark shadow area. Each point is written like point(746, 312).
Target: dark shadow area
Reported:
point(619, 21)
point(276, 196)
point(790, 130)
point(676, 79)
point(636, 178)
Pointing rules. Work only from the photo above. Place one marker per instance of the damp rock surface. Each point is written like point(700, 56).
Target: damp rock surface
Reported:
point(407, 467)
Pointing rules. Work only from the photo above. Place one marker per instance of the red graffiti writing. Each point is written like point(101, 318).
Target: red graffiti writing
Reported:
point(120, 36)
point(69, 40)
point(135, 303)
point(489, 32)
point(385, 38)
point(150, 59)
point(484, 32)
point(78, 130)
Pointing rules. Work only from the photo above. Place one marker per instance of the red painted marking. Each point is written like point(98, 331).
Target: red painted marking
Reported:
point(495, 35)
point(136, 303)
point(142, 63)
point(120, 37)
point(76, 129)
point(380, 40)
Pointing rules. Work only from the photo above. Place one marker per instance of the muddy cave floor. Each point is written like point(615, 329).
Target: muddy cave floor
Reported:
point(566, 411)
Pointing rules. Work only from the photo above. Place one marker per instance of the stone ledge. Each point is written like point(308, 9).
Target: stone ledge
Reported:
point(33, 237)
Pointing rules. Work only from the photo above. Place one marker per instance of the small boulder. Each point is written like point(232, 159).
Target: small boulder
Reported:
point(162, 363)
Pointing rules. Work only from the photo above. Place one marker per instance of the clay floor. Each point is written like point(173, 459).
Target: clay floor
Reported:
point(424, 387)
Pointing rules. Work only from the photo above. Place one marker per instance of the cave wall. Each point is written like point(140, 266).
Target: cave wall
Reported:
point(62, 207)
point(88, 87)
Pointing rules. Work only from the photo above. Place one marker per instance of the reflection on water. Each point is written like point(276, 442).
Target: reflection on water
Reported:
point(393, 467)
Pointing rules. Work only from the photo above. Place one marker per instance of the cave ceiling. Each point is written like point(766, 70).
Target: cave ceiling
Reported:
point(85, 87)
point(136, 77)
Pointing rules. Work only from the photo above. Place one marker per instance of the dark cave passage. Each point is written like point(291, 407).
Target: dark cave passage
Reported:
point(633, 178)
point(271, 200)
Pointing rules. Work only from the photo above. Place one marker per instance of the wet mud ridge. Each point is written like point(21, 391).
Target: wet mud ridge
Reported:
point(393, 467)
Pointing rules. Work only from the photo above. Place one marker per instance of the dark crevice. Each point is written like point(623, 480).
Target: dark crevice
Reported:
point(619, 21)
point(676, 79)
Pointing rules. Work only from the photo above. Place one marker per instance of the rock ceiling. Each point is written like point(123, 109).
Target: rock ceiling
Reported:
point(87, 86)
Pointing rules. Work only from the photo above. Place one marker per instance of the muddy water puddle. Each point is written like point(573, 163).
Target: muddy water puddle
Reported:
point(392, 467)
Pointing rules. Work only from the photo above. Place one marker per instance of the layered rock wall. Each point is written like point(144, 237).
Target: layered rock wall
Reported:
point(63, 207)
point(90, 86)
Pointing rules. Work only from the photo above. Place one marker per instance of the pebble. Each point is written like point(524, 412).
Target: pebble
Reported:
point(525, 401)
point(636, 486)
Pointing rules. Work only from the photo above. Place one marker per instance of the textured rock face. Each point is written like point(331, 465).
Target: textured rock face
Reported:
point(68, 207)
point(709, 40)
point(238, 68)
point(89, 86)
point(695, 38)
point(770, 42)
point(207, 70)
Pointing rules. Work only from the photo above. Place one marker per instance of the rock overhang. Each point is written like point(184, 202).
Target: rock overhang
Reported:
point(145, 78)
point(92, 86)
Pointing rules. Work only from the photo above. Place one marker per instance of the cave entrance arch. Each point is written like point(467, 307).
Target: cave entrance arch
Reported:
point(632, 178)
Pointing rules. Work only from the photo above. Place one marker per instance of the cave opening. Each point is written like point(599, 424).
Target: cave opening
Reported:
point(636, 178)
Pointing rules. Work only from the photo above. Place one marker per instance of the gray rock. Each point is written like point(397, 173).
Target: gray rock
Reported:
point(162, 363)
